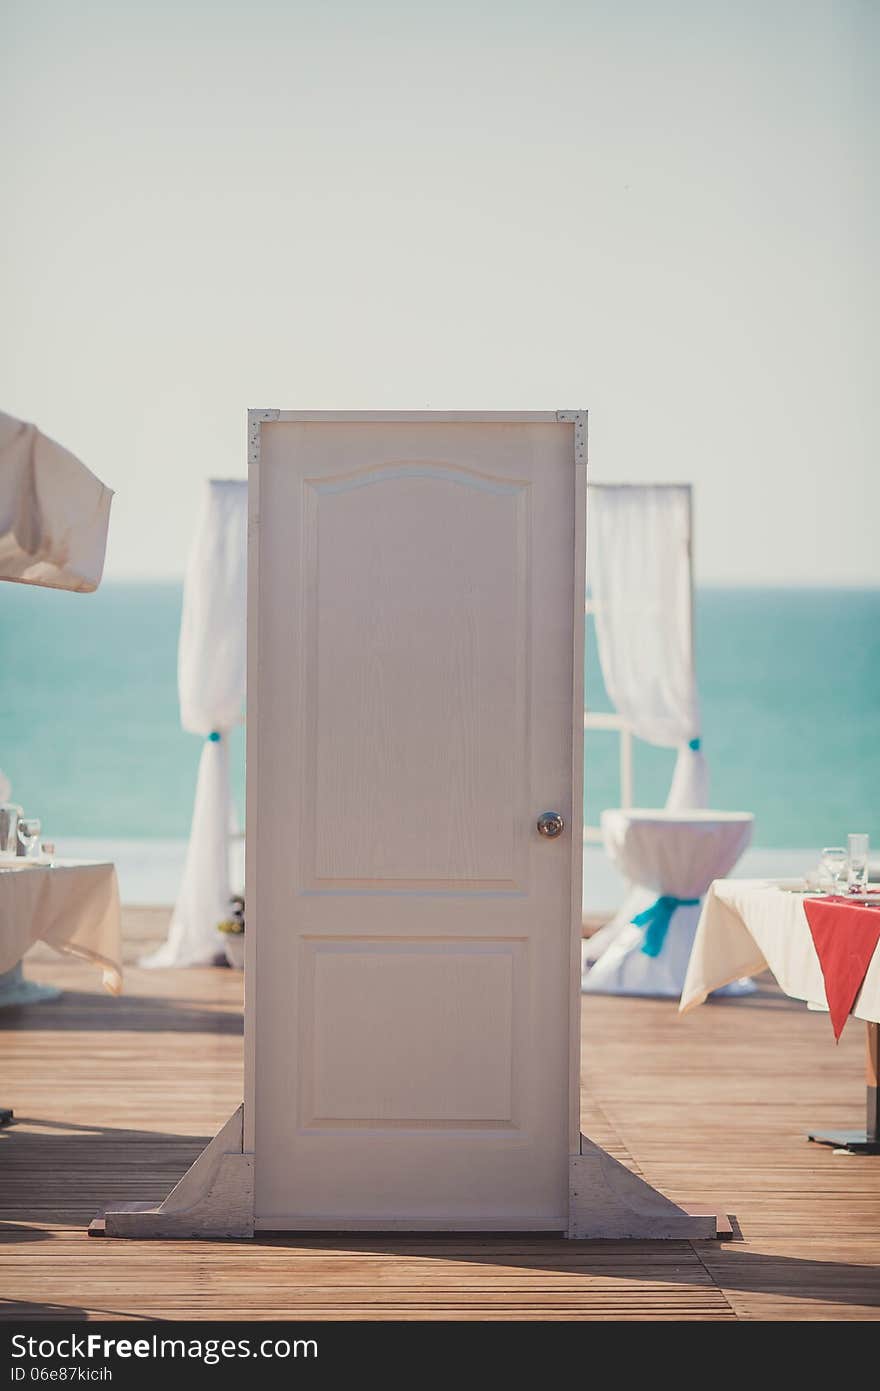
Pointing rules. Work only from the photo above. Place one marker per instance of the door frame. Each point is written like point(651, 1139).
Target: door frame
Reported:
point(578, 421)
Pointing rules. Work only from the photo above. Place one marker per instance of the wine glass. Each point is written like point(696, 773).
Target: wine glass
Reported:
point(835, 863)
point(29, 835)
point(858, 863)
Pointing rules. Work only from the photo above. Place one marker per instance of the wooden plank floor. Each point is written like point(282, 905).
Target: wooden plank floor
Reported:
point(114, 1098)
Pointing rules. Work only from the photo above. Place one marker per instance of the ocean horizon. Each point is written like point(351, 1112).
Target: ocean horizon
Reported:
point(789, 684)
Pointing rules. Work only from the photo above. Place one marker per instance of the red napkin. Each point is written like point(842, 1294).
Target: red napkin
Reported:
point(845, 935)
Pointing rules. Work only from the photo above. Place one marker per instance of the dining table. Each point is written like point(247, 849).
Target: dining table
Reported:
point(72, 906)
point(823, 949)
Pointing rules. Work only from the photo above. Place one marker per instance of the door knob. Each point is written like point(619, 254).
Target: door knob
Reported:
point(550, 824)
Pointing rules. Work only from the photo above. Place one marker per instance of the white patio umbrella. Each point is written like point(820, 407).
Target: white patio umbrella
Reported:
point(54, 515)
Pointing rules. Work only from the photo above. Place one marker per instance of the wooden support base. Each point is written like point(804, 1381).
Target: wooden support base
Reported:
point(608, 1202)
point(213, 1200)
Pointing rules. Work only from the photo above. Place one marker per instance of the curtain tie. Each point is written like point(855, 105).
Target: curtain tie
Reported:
point(213, 737)
point(694, 744)
point(656, 919)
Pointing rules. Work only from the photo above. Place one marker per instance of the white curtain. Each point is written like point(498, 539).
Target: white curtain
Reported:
point(640, 578)
point(211, 673)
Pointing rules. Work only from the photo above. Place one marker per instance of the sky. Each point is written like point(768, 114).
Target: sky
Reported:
point(658, 210)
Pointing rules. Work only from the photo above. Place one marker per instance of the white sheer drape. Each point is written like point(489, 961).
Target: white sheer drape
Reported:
point(211, 675)
point(640, 580)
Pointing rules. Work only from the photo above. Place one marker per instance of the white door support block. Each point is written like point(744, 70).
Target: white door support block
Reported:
point(214, 1199)
point(609, 1202)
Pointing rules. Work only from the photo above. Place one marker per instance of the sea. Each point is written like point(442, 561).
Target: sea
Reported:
point(91, 738)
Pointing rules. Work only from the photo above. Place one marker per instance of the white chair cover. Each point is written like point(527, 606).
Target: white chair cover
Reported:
point(212, 670)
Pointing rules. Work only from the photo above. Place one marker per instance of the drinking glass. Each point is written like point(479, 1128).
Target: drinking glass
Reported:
point(9, 814)
point(29, 835)
point(857, 879)
point(835, 861)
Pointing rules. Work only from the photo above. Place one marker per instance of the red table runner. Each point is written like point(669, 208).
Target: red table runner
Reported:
point(845, 935)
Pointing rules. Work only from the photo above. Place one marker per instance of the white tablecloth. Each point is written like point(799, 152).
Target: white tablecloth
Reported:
point(662, 852)
point(748, 925)
point(73, 906)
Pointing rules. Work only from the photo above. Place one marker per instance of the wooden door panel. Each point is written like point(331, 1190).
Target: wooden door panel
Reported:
point(418, 637)
point(410, 715)
point(452, 1001)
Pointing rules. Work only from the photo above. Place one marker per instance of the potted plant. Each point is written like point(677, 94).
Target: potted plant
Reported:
point(233, 932)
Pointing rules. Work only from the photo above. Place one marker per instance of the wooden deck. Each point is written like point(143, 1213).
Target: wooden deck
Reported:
point(114, 1098)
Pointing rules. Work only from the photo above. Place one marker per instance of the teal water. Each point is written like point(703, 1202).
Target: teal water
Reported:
point(91, 735)
point(790, 696)
point(790, 687)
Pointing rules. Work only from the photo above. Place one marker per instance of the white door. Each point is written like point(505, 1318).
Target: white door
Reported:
point(415, 588)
